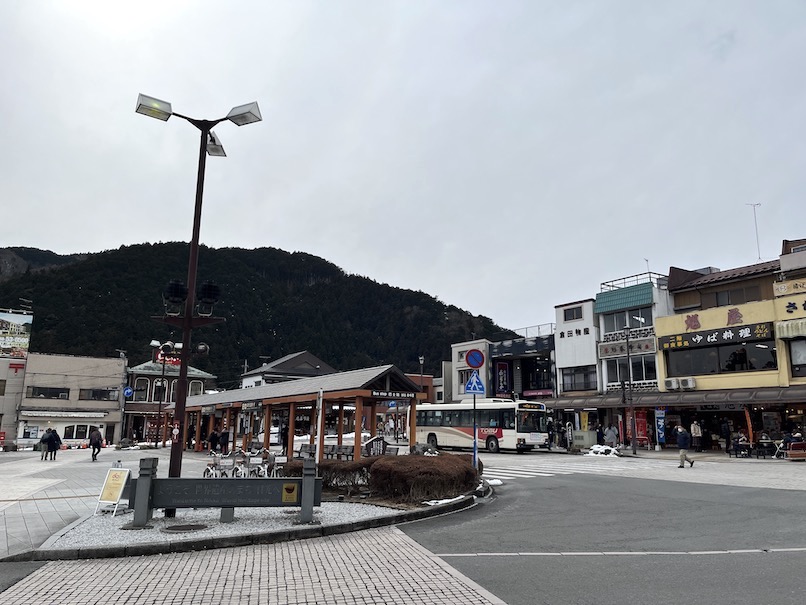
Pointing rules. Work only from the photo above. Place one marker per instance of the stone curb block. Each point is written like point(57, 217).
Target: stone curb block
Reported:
point(202, 544)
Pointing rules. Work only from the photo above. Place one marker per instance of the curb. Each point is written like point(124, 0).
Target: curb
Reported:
point(204, 544)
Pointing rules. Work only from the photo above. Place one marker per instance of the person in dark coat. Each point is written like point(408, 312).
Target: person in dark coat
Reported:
point(212, 439)
point(284, 439)
point(683, 444)
point(96, 441)
point(550, 431)
point(54, 443)
point(225, 441)
point(43, 444)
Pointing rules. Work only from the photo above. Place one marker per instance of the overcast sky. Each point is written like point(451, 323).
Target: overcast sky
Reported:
point(502, 156)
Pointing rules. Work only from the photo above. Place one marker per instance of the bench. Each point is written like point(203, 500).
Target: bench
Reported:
point(306, 450)
point(796, 451)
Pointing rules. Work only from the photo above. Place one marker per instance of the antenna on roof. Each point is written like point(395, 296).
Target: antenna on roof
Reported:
point(756, 223)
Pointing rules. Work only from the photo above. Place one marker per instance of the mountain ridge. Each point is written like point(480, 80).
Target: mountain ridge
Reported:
point(274, 302)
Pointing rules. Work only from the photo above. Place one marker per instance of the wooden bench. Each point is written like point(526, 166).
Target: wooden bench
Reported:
point(796, 451)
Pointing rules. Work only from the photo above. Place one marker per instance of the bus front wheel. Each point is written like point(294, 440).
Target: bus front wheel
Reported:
point(432, 441)
point(492, 445)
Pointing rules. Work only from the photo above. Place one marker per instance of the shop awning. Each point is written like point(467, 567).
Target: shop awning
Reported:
point(793, 328)
point(761, 396)
point(59, 414)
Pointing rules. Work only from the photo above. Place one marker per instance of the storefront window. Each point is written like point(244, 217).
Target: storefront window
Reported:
point(724, 359)
point(797, 352)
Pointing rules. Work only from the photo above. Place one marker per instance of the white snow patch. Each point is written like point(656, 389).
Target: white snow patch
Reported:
point(603, 450)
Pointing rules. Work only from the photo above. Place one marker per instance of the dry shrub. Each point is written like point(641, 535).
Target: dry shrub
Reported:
point(417, 478)
point(337, 474)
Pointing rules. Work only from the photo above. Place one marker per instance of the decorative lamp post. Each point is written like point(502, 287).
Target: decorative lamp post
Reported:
point(209, 144)
point(164, 349)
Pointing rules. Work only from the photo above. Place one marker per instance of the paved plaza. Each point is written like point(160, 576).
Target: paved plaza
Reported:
point(381, 565)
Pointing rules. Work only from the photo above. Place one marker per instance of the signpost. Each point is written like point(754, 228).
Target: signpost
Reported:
point(476, 387)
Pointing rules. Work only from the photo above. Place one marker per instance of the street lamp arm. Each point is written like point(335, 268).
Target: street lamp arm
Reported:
point(203, 125)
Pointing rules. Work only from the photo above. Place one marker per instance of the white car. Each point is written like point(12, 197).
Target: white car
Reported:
point(274, 436)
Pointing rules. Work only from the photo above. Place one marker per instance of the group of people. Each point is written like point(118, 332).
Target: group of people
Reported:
point(50, 443)
point(218, 439)
point(564, 434)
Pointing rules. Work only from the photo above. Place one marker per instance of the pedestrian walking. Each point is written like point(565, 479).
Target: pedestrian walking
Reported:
point(96, 440)
point(611, 435)
point(683, 444)
point(696, 436)
point(43, 444)
point(225, 441)
point(550, 430)
point(284, 439)
point(600, 439)
point(54, 443)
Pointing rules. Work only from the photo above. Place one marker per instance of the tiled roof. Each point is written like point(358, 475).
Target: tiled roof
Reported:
point(767, 267)
point(341, 381)
point(153, 368)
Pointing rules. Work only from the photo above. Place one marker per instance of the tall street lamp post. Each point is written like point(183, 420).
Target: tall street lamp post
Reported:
point(209, 143)
point(422, 361)
point(633, 439)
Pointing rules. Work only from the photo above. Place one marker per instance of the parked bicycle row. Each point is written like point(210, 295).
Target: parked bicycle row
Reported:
point(239, 464)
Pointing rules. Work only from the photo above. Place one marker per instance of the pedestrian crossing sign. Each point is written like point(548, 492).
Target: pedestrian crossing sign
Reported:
point(474, 386)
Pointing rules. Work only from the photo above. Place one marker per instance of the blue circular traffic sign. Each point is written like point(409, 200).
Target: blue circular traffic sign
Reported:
point(128, 392)
point(474, 358)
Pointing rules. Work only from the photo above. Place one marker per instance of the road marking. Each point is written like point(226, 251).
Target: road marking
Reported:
point(622, 553)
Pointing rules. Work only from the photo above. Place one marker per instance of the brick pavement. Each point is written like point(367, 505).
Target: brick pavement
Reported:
point(371, 567)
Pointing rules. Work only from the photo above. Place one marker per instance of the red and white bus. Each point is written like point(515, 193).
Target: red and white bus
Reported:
point(500, 424)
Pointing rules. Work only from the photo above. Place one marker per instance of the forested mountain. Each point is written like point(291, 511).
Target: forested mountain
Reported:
point(274, 302)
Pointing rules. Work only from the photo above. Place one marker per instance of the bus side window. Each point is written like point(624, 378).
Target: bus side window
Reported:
point(509, 419)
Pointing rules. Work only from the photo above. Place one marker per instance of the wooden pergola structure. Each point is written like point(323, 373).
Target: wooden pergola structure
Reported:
point(365, 389)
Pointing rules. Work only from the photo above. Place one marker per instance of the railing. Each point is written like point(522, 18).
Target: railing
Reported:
point(538, 330)
point(656, 279)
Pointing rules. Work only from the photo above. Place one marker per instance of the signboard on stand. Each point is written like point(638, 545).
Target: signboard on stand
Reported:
point(111, 492)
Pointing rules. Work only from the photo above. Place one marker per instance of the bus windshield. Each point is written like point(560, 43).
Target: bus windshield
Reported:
point(531, 421)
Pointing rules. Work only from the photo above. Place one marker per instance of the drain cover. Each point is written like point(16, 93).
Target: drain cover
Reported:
point(178, 529)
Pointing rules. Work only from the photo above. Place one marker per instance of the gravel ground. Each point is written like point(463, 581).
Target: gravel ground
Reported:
point(106, 529)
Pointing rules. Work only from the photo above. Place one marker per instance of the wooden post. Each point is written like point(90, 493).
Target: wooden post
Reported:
point(359, 413)
point(341, 422)
point(320, 433)
point(198, 447)
point(292, 428)
point(373, 429)
point(267, 424)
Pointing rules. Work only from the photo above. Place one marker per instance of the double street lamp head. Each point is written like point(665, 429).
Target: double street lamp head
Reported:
point(162, 110)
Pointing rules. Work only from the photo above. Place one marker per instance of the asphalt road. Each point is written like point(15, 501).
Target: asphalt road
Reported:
point(627, 541)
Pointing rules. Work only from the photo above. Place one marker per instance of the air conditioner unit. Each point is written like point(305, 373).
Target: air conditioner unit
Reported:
point(687, 383)
point(63, 395)
point(671, 384)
